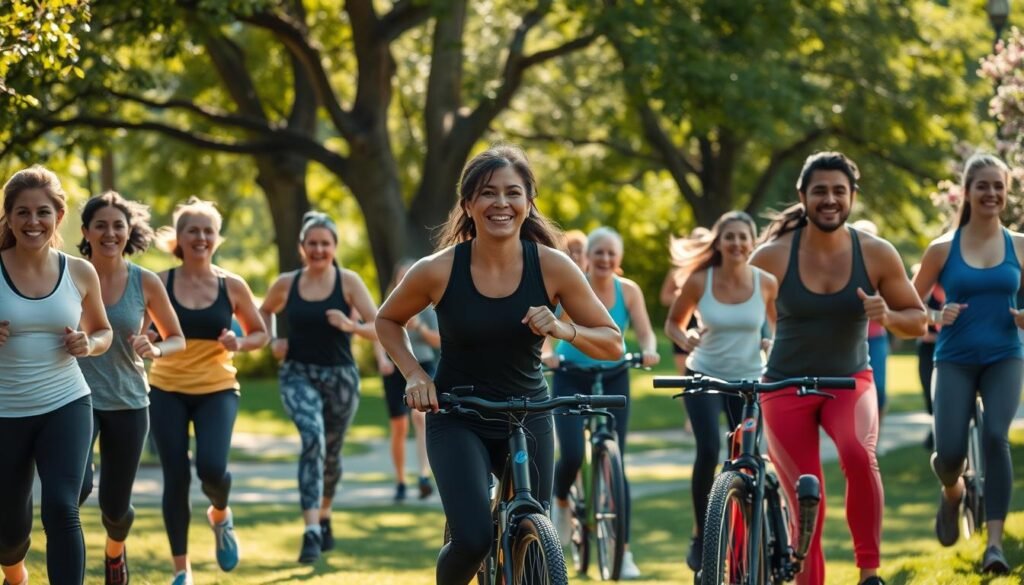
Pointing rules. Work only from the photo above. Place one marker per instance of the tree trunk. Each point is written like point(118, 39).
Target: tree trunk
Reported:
point(283, 181)
point(107, 170)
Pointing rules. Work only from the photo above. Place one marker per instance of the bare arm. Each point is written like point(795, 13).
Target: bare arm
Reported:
point(95, 335)
point(669, 288)
point(358, 297)
point(904, 313)
point(161, 313)
point(682, 309)
point(592, 330)
point(248, 315)
point(641, 322)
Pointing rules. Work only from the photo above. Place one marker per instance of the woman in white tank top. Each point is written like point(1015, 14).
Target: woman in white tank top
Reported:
point(51, 311)
point(733, 302)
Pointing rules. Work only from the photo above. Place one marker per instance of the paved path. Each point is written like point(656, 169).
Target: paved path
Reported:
point(367, 480)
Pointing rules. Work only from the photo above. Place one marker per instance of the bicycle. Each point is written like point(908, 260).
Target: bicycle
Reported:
point(973, 512)
point(597, 498)
point(746, 534)
point(525, 550)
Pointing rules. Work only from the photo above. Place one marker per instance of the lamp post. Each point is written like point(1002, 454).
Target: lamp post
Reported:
point(998, 13)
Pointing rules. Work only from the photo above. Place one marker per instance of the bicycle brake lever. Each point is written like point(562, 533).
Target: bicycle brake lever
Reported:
point(803, 391)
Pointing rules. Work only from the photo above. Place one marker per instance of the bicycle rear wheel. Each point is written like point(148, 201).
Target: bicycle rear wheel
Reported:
point(579, 543)
point(608, 497)
point(536, 554)
point(726, 535)
point(974, 476)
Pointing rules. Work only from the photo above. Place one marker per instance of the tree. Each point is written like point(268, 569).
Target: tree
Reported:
point(333, 103)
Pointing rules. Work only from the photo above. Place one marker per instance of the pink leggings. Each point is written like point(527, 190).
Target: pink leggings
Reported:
point(851, 420)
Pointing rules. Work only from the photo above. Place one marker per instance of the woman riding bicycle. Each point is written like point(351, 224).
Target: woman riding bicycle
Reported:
point(494, 282)
point(625, 302)
point(977, 349)
point(733, 301)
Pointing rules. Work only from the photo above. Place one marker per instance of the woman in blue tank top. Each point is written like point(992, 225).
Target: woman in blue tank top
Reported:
point(112, 228)
point(494, 282)
point(319, 379)
point(625, 303)
point(978, 351)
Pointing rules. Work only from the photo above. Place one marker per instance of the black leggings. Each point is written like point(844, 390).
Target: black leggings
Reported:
point(213, 417)
point(956, 386)
point(463, 452)
point(925, 365)
point(56, 444)
point(122, 435)
point(705, 411)
point(570, 428)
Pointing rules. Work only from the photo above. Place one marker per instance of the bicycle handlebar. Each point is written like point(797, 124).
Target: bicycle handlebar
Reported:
point(705, 383)
point(517, 404)
point(631, 360)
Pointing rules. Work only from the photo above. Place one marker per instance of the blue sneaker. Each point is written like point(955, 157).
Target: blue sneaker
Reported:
point(228, 552)
point(182, 578)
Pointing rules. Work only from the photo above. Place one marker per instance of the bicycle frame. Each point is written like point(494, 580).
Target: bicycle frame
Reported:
point(514, 496)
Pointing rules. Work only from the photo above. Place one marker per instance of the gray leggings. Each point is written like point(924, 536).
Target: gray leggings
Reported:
point(955, 387)
point(321, 401)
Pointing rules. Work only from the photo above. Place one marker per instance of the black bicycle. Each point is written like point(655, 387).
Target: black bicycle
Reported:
point(597, 498)
point(746, 534)
point(974, 474)
point(525, 550)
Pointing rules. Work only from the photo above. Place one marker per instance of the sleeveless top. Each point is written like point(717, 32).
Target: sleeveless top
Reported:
point(820, 334)
point(118, 377)
point(731, 347)
point(483, 340)
point(984, 332)
point(205, 365)
point(311, 338)
point(619, 313)
point(37, 374)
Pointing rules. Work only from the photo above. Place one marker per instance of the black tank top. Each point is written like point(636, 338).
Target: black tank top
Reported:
point(820, 334)
point(311, 338)
point(205, 323)
point(483, 340)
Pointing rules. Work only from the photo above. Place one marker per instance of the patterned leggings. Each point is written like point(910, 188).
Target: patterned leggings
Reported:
point(321, 401)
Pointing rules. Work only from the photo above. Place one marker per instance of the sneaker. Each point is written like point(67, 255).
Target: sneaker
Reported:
point(629, 568)
point(695, 554)
point(562, 519)
point(224, 537)
point(875, 580)
point(994, 561)
point(312, 545)
point(116, 569)
point(426, 488)
point(947, 520)
point(182, 578)
point(400, 493)
point(326, 535)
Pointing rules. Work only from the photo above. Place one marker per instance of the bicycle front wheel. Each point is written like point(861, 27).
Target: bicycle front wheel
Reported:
point(974, 477)
point(609, 501)
point(727, 546)
point(536, 554)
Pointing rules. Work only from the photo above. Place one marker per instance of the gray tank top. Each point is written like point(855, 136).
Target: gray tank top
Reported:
point(820, 334)
point(37, 374)
point(118, 377)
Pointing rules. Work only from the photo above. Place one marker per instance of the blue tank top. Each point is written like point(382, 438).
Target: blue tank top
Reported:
point(984, 332)
point(619, 313)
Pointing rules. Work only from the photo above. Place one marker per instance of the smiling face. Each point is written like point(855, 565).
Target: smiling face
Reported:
point(198, 237)
point(33, 218)
point(828, 199)
point(500, 206)
point(107, 232)
point(604, 256)
point(735, 242)
point(987, 192)
point(318, 248)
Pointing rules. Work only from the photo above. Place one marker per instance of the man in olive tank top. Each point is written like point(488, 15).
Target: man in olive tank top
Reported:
point(832, 280)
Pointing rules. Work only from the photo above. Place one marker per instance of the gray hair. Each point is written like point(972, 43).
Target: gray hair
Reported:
point(317, 219)
point(601, 233)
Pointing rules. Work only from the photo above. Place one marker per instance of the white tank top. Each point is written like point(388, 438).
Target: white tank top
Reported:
point(37, 374)
point(731, 347)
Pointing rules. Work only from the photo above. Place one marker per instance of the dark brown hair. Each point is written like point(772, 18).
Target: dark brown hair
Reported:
point(459, 226)
point(34, 177)
point(140, 234)
point(795, 216)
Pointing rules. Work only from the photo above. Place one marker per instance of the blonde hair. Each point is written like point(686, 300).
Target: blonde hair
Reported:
point(34, 177)
point(978, 161)
point(697, 253)
point(167, 237)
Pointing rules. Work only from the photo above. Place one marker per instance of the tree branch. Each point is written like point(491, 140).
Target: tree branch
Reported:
point(405, 15)
point(619, 147)
point(874, 151)
point(215, 116)
point(778, 158)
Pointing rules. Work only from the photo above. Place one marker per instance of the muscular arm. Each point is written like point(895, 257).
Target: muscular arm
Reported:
point(906, 314)
point(413, 294)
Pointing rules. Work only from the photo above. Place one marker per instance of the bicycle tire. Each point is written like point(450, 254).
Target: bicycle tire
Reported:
point(536, 553)
point(608, 496)
point(483, 576)
point(725, 532)
point(974, 476)
point(579, 544)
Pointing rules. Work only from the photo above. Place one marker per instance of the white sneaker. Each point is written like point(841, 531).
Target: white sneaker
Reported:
point(562, 519)
point(629, 568)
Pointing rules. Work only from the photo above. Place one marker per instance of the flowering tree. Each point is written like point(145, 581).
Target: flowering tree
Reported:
point(1004, 69)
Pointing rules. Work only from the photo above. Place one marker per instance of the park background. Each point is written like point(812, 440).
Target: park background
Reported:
point(651, 117)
